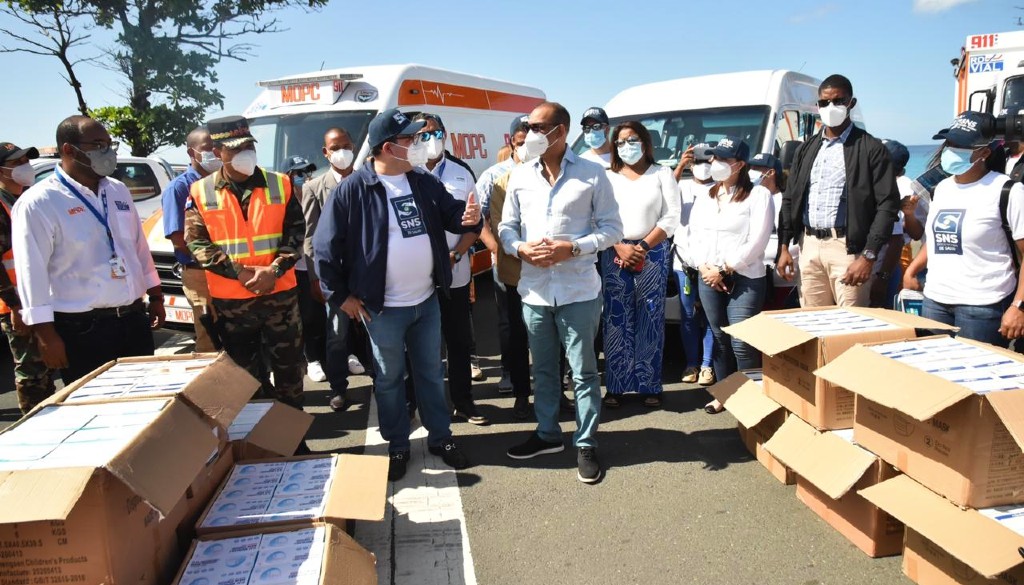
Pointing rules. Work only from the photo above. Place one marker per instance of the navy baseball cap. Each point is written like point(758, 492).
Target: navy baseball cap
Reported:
point(9, 151)
point(390, 123)
point(968, 129)
point(700, 151)
point(899, 153)
point(596, 114)
point(296, 163)
point(766, 160)
point(730, 147)
point(519, 123)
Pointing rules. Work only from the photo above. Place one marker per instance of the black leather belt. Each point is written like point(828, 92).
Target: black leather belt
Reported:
point(825, 234)
point(104, 313)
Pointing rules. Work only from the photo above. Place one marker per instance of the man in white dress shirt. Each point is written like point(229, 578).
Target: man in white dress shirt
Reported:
point(82, 260)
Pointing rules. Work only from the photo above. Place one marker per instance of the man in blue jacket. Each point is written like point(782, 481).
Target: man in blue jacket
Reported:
point(380, 252)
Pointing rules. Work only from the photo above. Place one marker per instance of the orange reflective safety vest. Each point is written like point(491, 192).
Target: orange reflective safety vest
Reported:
point(8, 259)
point(249, 243)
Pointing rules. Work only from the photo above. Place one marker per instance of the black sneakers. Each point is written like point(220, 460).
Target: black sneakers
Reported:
point(471, 414)
point(533, 447)
point(397, 464)
point(521, 409)
point(449, 452)
point(589, 468)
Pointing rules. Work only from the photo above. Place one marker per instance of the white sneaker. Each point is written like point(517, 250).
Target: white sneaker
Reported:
point(315, 372)
point(354, 367)
point(505, 384)
point(474, 370)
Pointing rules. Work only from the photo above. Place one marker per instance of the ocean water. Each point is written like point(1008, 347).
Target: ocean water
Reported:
point(919, 157)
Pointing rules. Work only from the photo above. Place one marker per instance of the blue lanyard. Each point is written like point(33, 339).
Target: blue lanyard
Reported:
point(103, 219)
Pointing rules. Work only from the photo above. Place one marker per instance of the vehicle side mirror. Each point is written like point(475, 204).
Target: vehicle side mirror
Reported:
point(788, 152)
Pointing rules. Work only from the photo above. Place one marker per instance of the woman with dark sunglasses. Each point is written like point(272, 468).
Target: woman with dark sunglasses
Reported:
point(635, 270)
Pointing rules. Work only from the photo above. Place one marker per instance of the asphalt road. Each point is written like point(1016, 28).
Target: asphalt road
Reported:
point(682, 500)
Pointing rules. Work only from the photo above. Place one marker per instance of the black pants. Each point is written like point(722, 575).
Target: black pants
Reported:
point(314, 321)
point(91, 341)
point(515, 346)
point(457, 329)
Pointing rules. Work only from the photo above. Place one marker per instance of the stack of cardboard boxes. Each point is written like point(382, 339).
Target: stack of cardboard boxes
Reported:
point(798, 424)
point(105, 481)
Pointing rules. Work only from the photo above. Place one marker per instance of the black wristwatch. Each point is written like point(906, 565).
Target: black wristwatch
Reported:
point(643, 244)
point(1019, 304)
point(456, 256)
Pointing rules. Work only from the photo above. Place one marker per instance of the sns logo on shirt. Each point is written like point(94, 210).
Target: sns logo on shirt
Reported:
point(408, 215)
point(947, 231)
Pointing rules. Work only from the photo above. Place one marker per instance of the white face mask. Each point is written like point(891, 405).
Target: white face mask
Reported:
point(435, 148)
point(756, 177)
point(536, 144)
point(23, 174)
point(244, 162)
point(209, 161)
point(702, 171)
point(720, 170)
point(415, 154)
point(342, 158)
point(833, 115)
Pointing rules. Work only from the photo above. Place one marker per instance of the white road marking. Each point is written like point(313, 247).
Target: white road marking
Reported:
point(422, 539)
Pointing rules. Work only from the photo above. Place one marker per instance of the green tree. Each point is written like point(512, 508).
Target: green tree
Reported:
point(166, 50)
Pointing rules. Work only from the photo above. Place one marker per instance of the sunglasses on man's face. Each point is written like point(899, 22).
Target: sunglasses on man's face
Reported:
point(426, 136)
point(839, 101)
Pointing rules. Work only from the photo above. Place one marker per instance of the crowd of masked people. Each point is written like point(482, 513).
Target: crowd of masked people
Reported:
point(369, 267)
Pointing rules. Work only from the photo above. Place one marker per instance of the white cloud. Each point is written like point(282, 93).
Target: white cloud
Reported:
point(937, 5)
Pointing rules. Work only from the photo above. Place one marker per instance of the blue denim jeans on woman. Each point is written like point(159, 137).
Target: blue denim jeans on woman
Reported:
point(724, 309)
point(977, 322)
point(693, 327)
point(415, 330)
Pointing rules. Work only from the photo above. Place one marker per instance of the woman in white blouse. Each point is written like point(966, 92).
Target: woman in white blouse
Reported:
point(635, 271)
point(729, 230)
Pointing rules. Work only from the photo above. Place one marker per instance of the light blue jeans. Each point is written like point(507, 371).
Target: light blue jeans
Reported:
point(977, 322)
point(416, 330)
point(573, 327)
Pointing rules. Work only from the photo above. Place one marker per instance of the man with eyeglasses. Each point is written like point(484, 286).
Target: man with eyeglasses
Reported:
point(840, 204)
point(33, 381)
point(244, 226)
point(456, 315)
point(595, 135)
point(383, 258)
point(559, 213)
point(82, 260)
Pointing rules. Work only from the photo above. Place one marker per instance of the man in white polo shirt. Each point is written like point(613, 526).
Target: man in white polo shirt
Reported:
point(456, 315)
point(82, 260)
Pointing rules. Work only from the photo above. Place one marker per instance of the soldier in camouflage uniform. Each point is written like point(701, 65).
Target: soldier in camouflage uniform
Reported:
point(32, 379)
point(245, 227)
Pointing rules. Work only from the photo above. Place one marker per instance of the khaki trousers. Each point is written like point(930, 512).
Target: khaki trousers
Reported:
point(822, 264)
point(193, 281)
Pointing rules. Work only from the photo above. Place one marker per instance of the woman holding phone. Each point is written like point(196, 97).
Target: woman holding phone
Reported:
point(635, 270)
point(729, 230)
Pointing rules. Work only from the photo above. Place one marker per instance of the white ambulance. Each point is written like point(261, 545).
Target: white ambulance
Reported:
point(291, 114)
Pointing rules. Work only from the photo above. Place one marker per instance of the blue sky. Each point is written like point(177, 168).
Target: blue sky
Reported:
point(896, 52)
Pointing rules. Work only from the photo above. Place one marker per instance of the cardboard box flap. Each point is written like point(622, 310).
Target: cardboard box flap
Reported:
point(222, 390)
point(768, 335)
point(359, 489)
point(281, 429)
point(744, 399)
point(1009, 405)
point(32, 495)
point(904, 319)
point(347, 562)
point(983, 544)
point(832, 464)
point(891, 383)
point(163, 459)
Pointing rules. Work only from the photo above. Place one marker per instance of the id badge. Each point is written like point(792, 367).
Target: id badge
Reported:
point(117, 268)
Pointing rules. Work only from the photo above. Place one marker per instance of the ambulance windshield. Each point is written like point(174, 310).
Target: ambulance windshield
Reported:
point(673, 132)
point(278, 137)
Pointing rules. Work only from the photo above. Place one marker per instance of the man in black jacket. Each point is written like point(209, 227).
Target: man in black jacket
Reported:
point(840, 204)
point(382, 258)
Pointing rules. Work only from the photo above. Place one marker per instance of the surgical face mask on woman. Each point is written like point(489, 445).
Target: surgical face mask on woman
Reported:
point(756, 177)
point(956, 161)
point(23, 174)
point(630, 152)
point(244, 162)
point(721, 170)
point(209, 161)
point(702, 171)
